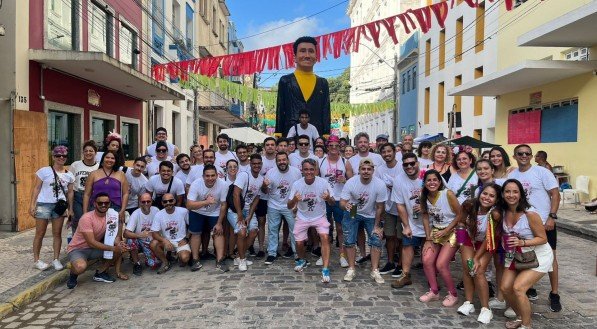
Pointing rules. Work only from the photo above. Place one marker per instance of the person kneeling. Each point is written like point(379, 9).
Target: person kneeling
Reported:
point(169, 231)
point(96, 226)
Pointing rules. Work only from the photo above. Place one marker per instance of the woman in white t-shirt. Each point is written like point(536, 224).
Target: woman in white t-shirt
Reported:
point(464, 179)
point(229, 236)
point(81, 170)
point(51, 184)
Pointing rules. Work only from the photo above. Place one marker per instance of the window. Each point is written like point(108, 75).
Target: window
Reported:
point(478, 107)
point(480, 28)
point(62, 24)
point(130, 140)
point(214, 26)
point(61, 131)
point(415, 78)
point(176, 20)
point(157, 25)
point(442, 49)
point(408, 80)
point(128, 46)
point(458, 41)
point(426, 109)
point(176, 129)
point(189, 27)
point(458, 99)
point(100, 128)
point(403, 83)
point(577, 54)
point(427, 57)
point(101, 34)
point(478, 134)
point(440, 102)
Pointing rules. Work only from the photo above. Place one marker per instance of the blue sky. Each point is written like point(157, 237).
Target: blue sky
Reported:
point(255, 16)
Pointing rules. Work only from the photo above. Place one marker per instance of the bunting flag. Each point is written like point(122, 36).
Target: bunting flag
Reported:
point(282, 56)
point(268, 98)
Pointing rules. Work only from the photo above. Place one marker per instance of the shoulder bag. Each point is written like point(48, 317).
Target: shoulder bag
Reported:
point(61, 205)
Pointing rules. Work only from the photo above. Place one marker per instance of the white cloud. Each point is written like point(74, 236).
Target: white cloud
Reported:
point(307, 26)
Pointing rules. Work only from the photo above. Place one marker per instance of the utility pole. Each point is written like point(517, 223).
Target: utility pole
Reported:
point(451, 121)
point(396, 126)
point(195, 116)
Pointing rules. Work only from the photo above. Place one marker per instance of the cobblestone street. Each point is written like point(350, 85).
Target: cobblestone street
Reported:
point(276, 296)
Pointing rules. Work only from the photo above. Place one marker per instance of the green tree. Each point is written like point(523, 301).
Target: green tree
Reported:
point(340, 87)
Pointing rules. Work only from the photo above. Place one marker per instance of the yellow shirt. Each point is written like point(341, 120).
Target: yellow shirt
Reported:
point(306, 81)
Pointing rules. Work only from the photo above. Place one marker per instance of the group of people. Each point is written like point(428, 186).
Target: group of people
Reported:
point(429, 202)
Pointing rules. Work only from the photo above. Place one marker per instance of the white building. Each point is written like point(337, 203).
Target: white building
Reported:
point(372, 73)
point(466, 49)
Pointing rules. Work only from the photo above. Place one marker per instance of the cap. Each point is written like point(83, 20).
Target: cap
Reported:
point(382, 136)
point(333, 138)
point(60, 149)
point(366, 161)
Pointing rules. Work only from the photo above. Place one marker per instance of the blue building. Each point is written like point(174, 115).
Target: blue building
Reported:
point(235, 46)
point(408, 85)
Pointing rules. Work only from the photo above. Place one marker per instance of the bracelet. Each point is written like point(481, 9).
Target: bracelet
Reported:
point(524, 243)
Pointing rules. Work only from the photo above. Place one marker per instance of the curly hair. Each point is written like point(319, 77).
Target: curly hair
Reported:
point(470, 208)
point(448, 152)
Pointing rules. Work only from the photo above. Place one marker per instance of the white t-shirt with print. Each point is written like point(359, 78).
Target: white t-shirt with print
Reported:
point(253, 187)
point(267, 165)
point(197, 172)
point(137, 186)
point(153, 167)
point(331, 172)
point(407, 192)
point(537, 181)
point(296, 160)
point(365, 196)
point(151, 149)
point(455, 184)
point(158, 188)
point(81, 171)
point(311, 206)
point(387, 175)
point(355, 159)
point(221, 160)
point(311, 131)
point(199, 192)
point(47, 194)
point(244, 168)
point(172, 226)
point(140, 222)
point(279, 187)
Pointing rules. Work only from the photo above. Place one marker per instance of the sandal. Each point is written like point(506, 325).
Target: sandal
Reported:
point(513, 324)
point(165, 268)
point(122, 276)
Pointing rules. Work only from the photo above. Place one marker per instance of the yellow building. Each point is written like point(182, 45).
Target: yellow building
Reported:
point(546, 83)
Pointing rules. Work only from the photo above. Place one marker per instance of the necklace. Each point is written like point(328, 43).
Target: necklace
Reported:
point(107, 181)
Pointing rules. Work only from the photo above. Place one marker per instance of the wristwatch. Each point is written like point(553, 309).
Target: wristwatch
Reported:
point(553, 215)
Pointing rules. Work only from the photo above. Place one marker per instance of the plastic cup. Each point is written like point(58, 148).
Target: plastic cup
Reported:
point(461, 235)
point(505, 242)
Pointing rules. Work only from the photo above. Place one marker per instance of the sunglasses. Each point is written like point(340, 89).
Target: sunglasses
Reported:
point(303, 144)
point(103, 204)
point(520, 154)
point(408, 164)
point(168, 201)
point(64, 156)
point(161, 150)
point(146, 202)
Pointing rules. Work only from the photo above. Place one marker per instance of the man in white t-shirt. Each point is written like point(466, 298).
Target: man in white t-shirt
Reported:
point(153, 164)
point(406, 194)
point(269, 162)
point(138, 233)
point(296, 158)
point(392, 225)
point(277, 185)
point(362, 144)
point(311, 193)
point(81, 170)
point(368, 195)
point(304, 128)
point(209, 158)
point(541, 188)
point(164, 183)
point(244, 221)
point(161, 135)
point(169, 233)
point(184, 166)
point(137, 183)
point(223, 154)
point(244, 164)
point(207, 202)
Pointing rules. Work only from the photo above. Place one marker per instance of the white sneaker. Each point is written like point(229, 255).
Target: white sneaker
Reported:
point(57, 265)
point(41, 265)
point(319, 262)
point(496, 304)
point(242, 265)
point(236, 261)
point(510, 314)
point(350, 274)
point(375, 275)
point(466, 308)
point(485, 315)
point(343, 262)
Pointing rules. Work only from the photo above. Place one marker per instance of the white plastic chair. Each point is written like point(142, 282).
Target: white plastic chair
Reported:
point(581, 186)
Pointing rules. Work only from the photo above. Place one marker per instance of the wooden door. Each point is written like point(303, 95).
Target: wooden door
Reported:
point(31, 153)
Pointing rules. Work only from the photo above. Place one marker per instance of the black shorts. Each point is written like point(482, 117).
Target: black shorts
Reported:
point(261, 210)
point(552, 237)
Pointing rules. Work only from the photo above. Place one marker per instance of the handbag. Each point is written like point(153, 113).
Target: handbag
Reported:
point(230, 196)
point(525, 260)
point(61, 205)
point(157, 202)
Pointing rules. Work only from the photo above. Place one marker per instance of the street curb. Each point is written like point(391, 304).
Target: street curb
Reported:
point(30, 294)
point(576, 229)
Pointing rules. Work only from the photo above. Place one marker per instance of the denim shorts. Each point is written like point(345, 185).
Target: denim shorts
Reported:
point(414, 241)
point(86, 254)
point(45, 211)
point(233, 217)
point(350, 227)
point(335, 211)
point(198, 222)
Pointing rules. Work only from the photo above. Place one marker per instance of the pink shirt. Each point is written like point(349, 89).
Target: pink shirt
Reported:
point(89, 222)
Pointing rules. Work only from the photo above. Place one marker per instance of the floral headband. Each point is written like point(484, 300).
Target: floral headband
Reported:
point(59, 150)
point(113, 136)
point(462, 148)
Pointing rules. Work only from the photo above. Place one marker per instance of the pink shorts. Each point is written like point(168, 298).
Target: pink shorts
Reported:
point(302, 226)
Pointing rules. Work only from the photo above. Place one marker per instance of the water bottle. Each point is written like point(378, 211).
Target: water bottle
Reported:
point(470, 264)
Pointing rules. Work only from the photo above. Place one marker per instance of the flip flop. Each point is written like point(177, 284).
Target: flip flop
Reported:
point(513, 324)
point(122, 276)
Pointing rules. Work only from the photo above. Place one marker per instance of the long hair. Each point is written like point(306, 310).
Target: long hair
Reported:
point(471, 207)
point(116, 166)
point(523, 202)
point(505, 156)
point(425, 191)
point(119, 154)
